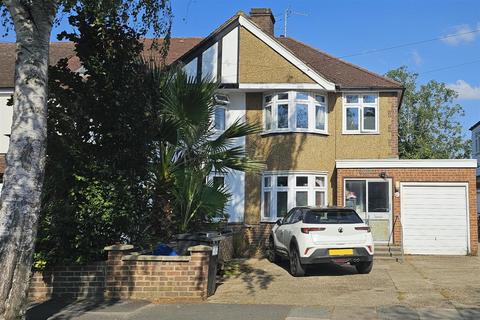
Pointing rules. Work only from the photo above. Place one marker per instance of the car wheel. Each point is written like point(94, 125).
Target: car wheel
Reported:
point(364, 267)
point(272, 255)
point(297, 269)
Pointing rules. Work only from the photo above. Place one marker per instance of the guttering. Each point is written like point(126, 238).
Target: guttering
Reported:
point(405, 163)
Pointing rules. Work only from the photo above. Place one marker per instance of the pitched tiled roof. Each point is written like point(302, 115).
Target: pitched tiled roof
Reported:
point(340, 72)
point(59, 50)
point(343, 74)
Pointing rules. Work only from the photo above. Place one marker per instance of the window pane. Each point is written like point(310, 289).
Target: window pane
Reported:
point(267, 182)
point(302, 181)
point(352, 118)
point(268, 98)
point(332, 216)
point(320, 117)
point(282, 116)
point(369, 122)
point(319, 181)
point(355, 195)
point(301, 198)
point(266, 204)
point(218, 181)
point(220, 118)
point(191, 68)
point(282, 181)
point(209, 63)
point(369, 99)
point(301, 114)
point(378, 200)
point(268, 118)
point(319, 98)
point(282, 96)
point(302, 96)
point(319, 198)
point(282, 203)
point(352, 99)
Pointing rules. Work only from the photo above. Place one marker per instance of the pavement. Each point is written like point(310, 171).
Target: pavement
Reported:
point(420, 288)
point(136, 310)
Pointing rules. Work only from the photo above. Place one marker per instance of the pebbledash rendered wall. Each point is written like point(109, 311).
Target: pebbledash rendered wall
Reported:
point(467, 175)
point(127, 274)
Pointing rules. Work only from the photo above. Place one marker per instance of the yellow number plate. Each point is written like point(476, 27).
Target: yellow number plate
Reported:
point(340, 252)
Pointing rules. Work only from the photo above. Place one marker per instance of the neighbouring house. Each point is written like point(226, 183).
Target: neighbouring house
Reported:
point(476, 155)
point(329, 137)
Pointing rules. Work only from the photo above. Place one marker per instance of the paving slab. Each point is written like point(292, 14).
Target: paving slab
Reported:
point(397, 312)
point(357, 313)
point(309, 313)
point(438, 314)
point(470, 313)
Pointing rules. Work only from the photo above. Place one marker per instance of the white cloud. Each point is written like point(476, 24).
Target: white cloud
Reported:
point(462, 34)
point(465, 90)
point(417, 58)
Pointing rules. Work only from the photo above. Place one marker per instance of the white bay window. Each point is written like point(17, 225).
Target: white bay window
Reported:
point(281, 191)
point(294, 111)
point(360, 113)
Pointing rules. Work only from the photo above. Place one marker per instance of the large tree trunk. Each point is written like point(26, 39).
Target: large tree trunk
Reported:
point(23, 179)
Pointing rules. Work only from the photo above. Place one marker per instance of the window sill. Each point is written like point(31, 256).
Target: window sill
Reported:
point(266, 133)
point(360, 133)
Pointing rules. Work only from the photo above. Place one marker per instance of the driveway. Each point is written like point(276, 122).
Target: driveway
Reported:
point(419, 282)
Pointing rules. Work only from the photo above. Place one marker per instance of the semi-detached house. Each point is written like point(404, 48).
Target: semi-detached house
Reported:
point(330, 137)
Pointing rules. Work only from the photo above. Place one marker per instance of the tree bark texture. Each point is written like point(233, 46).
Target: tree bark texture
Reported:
point(20, 199)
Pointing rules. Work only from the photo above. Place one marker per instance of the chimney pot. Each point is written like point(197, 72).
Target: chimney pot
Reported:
point(264, 18)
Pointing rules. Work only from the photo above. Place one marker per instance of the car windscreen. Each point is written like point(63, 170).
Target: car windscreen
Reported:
point(331, 216)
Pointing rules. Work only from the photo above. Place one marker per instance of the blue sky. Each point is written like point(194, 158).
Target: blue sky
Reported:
point(345, 27)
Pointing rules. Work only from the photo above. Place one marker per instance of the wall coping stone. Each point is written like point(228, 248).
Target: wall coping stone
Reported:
point(119, 247)
point(140, 257)
point(200, 248)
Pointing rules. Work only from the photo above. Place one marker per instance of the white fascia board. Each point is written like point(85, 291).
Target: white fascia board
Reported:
point(406, 163)
point(280, 86)
point(327, 85)
point(294, 172)
point(6, 90)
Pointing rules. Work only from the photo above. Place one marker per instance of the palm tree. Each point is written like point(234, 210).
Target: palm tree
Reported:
point(189, 149)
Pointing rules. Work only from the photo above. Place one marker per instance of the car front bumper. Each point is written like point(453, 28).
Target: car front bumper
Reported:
point(321, 255)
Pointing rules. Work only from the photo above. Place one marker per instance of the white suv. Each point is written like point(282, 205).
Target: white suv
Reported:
point(310, 235)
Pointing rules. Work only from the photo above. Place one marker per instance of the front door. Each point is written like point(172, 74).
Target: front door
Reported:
point(371, 198)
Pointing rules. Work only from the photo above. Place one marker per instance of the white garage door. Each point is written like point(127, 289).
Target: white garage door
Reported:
point(434, 218)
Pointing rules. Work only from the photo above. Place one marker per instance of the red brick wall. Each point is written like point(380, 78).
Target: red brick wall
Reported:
point(72, 282)
point(125, 275)
point(467, 175)
point(2, 164)
point(144, 279)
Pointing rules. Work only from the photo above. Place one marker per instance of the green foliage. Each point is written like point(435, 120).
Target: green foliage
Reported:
point(100, 128)
point(130, 148)
point(428, 120)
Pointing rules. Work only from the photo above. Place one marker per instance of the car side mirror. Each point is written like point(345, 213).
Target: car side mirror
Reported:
point(279, 222)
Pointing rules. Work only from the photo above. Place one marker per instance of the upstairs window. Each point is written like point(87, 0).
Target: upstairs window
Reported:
point(360, 113)
point(220, 115)
point(295, 111)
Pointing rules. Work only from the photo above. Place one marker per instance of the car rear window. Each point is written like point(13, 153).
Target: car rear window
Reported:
point(331, 216)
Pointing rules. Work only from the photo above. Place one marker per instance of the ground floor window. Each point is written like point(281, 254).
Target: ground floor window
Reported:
point(368, 195)
point(283, 191)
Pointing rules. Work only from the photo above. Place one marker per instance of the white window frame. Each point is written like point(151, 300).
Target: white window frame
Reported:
point(360, 105)
point(292, 102)
point(291, 189)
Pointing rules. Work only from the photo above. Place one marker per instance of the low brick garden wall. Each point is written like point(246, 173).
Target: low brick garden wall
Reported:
point(127, 274)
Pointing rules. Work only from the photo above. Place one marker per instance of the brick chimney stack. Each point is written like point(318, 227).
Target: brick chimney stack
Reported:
point(263, 17)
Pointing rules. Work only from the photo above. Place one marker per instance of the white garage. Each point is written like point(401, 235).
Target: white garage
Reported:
point(434, 218)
